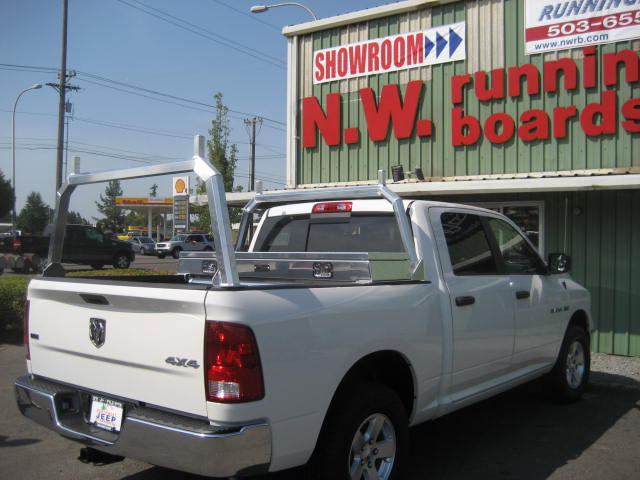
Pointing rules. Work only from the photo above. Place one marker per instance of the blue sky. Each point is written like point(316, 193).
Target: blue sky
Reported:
point(200, 48)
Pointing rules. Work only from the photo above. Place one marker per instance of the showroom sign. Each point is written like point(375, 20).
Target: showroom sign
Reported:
point(389, 54)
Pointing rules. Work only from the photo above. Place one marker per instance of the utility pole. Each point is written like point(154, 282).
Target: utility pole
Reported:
point(62, 88)
point(252, 163)
point(61, 91)
point(61, 159)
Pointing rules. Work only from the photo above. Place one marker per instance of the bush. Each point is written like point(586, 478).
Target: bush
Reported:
point(13, 294)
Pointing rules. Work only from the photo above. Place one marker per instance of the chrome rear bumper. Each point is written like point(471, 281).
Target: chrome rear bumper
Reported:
point(157, 437)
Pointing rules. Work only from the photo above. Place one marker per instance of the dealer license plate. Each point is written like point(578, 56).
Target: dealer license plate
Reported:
point(106, 413)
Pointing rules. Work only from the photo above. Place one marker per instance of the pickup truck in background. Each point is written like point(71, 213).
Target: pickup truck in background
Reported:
point(83, 245)
point(348, 317)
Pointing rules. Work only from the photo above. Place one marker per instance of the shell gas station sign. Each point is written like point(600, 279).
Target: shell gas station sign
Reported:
point(180, 204)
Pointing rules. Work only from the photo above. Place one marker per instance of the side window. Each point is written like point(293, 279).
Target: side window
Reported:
point(92, 235)
point(71, 235)
point(468, 245)
point(519, 257)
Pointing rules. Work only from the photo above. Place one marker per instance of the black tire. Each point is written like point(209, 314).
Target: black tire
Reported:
point(352, 440)
point(121, 260)
point(568, 379)
point(175, 253)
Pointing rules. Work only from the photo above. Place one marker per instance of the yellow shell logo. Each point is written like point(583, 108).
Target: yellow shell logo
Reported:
point(180, 186)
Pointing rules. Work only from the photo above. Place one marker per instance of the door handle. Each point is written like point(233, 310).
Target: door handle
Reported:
point(464, 301)
point(522, 294)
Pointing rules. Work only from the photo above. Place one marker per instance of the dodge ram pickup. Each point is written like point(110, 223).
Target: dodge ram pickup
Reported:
point(349, 316)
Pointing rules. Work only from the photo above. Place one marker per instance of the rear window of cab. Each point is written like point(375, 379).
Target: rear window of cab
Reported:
point(359, 232)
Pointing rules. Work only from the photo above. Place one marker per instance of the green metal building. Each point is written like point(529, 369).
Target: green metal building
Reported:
point(528, 107)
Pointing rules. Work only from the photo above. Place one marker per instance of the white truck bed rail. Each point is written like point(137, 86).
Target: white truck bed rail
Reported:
point(366, 191)
point(221, 227)
point(227, 267)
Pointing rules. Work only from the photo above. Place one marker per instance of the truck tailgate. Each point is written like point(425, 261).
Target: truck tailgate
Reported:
point(153, 343)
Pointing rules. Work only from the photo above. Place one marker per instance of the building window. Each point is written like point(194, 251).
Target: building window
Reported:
point(529, 216)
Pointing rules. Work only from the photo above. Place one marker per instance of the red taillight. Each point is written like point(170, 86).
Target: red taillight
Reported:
point(233, 370)
point(25, 327)
point(332, 207)
point(17, 244)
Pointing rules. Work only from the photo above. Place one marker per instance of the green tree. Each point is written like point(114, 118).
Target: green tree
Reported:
point(223, 155)
point(6, 196)
point(135, 219)
point(76, 219)
point(113, 220)
point(35, 214)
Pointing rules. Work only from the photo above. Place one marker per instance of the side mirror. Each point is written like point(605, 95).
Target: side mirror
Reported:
point(559, 263)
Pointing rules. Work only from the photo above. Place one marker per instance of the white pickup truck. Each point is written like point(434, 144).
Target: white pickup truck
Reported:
point(352, 315)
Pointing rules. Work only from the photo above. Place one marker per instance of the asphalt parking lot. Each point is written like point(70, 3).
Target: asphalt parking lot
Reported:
point(517, 435)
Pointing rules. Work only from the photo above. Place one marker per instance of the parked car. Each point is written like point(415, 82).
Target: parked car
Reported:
point(83, 244)
point(187, 242)
point(143, 245)
point(165, 248)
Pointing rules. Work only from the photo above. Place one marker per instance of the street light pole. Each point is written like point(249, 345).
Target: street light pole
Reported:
point(13, 154)
point(264, 8)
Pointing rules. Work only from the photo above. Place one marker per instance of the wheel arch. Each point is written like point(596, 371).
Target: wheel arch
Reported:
point(580, 318)
point(387, 367)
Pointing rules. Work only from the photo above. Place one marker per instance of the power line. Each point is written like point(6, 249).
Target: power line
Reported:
point(89, 152)
point(237, 117)
point(134, 128)
point(227, 42)
point(140, 89)
point(261, 175)
point(252, 17)
point(26, 68)
point(262, 157)
point(34, 141)
point(167, 95)
point(139, 129)
point(103, 150)
point(259, 178)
